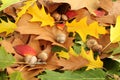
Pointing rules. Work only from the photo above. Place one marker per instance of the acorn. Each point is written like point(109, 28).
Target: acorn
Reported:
point(97, 48)
point(43, 56)
point(27, 52)
point(64, 17)
point(61, 38)
point(93, 44)
point(56, 16)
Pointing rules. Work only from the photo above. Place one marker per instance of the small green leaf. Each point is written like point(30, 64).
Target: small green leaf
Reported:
point(6, 3)
point(5, 58)
point(96, 74)
point(116, 51)
point(16, 76)
point(77, 48)
point(3, 75)
point(112, 66)
point(58, 49)
point(114, 0)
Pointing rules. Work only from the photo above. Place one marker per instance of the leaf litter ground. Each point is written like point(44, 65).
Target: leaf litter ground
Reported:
point(50, 27)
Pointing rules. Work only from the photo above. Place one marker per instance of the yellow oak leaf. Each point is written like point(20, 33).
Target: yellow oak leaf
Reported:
point(40, 15)
point(83, 29)
point(91, 5)
point(92, 62)
point(115, 32)
point(27, 4)
point(66, 55)
point(63, 54)
point(7, 27)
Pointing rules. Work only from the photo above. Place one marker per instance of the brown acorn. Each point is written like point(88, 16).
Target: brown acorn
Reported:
point(43, 56)
point(56, 16)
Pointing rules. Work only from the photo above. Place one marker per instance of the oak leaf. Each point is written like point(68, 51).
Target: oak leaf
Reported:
point(8, 46)
point(7, 27)
point(26, 27)
point(115, 32)
point(25, 73)
point(83, 29)
point(73, 63)
point(92, 62)
point(40, 15)
point(27, 4)
point(75, 4)
point(63, 54)
point(112, 9)
point(70, 60)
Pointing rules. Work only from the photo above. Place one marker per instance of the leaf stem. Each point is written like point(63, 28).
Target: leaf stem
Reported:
point(106, 46)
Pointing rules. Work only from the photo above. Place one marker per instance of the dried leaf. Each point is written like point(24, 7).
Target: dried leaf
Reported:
point(75, 4)
point(8, 46)
point(81, 13)
point(112, 9)
point(92, 62)
point(12, 10)
point(50, 34)
point(114, 32)
point(35, 44)
point(7, 27)
point(26, 74)
point(26, 27)
point(83, 29)
point(74, 63)
point(40, 15)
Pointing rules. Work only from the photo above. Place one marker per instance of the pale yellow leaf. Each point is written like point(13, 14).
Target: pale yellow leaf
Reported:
point(115, 32)
point(39, 15)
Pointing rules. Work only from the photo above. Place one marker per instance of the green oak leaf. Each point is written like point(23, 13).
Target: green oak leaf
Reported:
point(6, 59)
point(3, 75)
point(6, 3)
point(96, 74)
point(16, 76)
